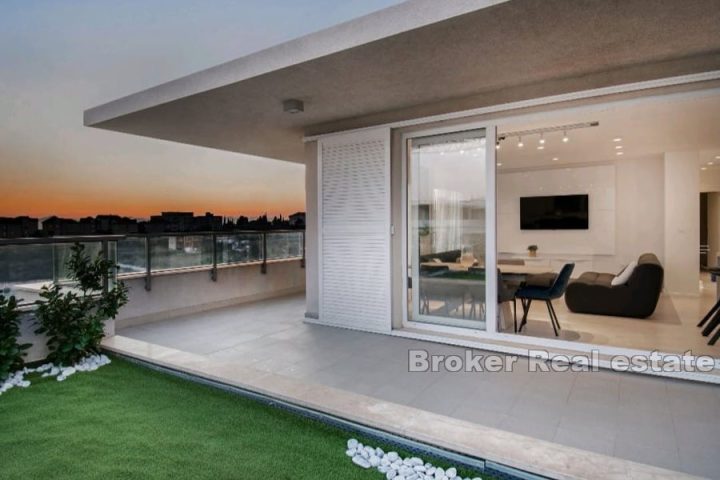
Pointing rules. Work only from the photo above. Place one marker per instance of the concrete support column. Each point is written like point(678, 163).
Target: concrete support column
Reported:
point(682, 222)
point(312, 298)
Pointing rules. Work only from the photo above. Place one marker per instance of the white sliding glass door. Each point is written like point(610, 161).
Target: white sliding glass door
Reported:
point(446, 229)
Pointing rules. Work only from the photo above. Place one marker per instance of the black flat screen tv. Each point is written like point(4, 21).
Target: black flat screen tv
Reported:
point(558, 212)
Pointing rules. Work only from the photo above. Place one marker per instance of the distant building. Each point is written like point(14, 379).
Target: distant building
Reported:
point(17, 227)
point(183, 222)
point(297, 219)
point(56, 226)
point(116, 225)
point(170, 222)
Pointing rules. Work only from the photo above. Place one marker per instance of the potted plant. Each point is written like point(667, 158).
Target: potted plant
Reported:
point(532, 250)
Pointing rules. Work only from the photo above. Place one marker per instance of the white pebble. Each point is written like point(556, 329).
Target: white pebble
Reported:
point(361, 461)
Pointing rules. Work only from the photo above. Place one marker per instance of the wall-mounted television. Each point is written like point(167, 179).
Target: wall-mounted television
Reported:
point(557, 212)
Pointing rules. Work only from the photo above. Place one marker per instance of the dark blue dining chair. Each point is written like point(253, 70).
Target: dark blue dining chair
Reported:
point(528, 293)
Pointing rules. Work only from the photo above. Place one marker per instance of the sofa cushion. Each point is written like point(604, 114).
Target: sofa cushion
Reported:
point(623, 278)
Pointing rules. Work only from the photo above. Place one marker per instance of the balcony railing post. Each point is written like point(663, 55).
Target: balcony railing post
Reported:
point(148, 265)
point(106, 275)
point(213, 271)
point(263, 268)
point(302, 261)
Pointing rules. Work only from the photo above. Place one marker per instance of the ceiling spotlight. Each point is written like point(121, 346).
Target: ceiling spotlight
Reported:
point(617, 139)
point(541, 147)
point(717, 157)
point(555, 159)
point(462, 152)
point(618, 147)
point(565, 137)
point(293, 105)
point(499, 164)
point(703, 168)
point(520, 143)
point(618, 153)
point(497, 146)
point(542, 140)
point(711, 163)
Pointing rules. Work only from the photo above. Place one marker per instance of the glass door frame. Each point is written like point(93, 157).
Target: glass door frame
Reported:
point(492, 318)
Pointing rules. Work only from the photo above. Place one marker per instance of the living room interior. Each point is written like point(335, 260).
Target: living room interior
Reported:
point(600, 210)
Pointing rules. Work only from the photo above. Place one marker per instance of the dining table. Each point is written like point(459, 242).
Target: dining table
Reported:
point(460, 274)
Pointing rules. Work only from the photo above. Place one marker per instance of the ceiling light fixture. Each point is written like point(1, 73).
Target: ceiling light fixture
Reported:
point(499, 164)
point(618, 147)
point(541, 147)
point(520, 143)
point(293, 105)
point(555, 159)
point(617, 139)
point(497, 145)
point(542, 131)
point(711, 163)
point(618, 153)
point(717, 157)
point(703, 168)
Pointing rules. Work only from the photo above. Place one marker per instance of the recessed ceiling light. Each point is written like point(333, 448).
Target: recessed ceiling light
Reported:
point(618, 147)
point(542, 140)
point(703, 168)
point(618, 153)
point(555, 159)
point(711, 163)
point(617, 139)
point(717, 157)
point(541, 147)
point(499, 164)
point(565, 139)
point(520, 143)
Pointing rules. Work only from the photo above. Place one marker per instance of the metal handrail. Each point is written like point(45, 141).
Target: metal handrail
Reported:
point(104, 240)
point(64, 239)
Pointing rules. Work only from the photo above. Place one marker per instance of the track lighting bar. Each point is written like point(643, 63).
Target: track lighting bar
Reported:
point(541, 131)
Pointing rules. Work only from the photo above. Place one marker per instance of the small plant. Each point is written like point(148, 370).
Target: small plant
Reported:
point(11, 352)
point(532, 250)
point(74, 320)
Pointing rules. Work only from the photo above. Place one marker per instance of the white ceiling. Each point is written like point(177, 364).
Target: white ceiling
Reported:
point(646, 129)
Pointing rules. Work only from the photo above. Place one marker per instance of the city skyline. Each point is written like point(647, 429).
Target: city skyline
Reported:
point(60, 58)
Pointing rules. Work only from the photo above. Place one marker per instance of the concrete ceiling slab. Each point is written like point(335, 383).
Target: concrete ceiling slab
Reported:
point(412, 60)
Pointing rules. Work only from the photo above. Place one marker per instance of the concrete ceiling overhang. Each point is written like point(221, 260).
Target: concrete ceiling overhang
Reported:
point(417, 59)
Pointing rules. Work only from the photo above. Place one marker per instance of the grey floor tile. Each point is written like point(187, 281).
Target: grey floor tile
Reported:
point(645, 454)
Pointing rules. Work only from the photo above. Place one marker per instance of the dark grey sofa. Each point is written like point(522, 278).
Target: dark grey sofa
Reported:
point(593, 292)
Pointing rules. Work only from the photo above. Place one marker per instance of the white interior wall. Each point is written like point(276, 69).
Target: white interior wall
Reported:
point(596, 181)
point(713, 227)
point(682, 222)
point(632, 222)
point(640, 228)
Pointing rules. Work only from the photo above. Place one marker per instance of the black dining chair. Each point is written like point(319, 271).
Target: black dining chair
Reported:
point(528, 293)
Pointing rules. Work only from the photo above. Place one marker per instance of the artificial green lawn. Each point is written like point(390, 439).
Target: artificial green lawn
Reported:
point(126, 421)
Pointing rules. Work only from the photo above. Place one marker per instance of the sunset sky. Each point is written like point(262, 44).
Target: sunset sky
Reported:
point(58, 58)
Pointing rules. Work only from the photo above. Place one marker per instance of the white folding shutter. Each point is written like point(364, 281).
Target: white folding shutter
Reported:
point(354, 191)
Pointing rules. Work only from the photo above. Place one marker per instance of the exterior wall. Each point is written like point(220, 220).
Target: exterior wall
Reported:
point(188, 292)
point(312, 299)
point(682, 222)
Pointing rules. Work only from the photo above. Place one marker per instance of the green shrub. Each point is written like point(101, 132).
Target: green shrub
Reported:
point(74, 319)
point(11, 352)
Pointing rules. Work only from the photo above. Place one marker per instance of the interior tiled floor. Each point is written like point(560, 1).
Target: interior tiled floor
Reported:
point(663, 422)
point(672, 328)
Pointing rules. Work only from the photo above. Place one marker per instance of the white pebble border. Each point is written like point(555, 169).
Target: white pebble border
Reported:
point(87, 364)
point(396, 468)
